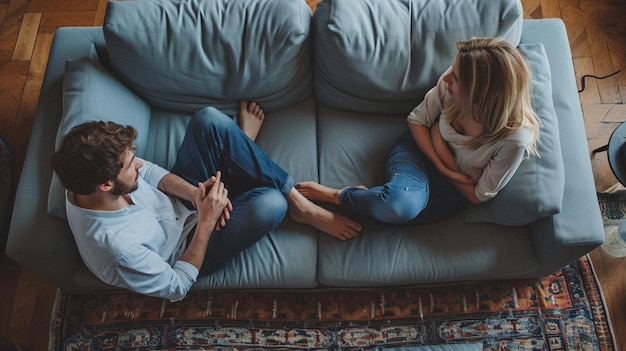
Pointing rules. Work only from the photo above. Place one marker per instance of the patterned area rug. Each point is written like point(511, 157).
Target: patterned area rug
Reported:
point(564, 311)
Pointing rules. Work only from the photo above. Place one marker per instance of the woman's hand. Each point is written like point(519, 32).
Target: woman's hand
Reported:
point(459, 178)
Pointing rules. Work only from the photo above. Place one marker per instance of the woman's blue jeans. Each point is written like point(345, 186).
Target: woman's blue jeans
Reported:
point(415, 192)
point(256, 185)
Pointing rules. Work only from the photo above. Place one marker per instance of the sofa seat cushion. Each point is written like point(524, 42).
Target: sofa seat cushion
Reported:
point(451, 250)
point(536, 189)
point(91, 93)
point(384, 254)
point(386, 65)
point(185, 55)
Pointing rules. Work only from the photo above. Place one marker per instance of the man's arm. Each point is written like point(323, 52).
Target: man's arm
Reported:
point(210, 203)
point(174, 185)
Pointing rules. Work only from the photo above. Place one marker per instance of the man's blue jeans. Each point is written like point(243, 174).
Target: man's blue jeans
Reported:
point(256, 185)
point(415, 192)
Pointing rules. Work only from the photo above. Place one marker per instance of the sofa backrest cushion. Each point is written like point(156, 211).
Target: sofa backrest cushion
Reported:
point(187, 54)
point(536, 190)
point(91, 93)
point(382, 56)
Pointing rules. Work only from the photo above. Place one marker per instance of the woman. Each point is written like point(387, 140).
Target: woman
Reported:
point(465, 141)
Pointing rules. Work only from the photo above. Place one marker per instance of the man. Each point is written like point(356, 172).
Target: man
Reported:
point(140, 227)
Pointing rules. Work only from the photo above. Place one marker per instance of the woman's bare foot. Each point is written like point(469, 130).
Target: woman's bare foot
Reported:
point(304, 211)
point(251, 117)
point(318, 192)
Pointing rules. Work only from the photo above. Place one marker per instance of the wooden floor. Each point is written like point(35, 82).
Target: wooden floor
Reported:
point(597, 32)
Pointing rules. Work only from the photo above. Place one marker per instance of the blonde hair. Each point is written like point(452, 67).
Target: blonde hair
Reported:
point(494, 89)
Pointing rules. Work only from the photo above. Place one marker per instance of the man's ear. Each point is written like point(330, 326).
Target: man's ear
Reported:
point(106, 187)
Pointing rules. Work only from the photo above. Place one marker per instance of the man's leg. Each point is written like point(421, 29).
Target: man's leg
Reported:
point(255, 213)
point(213, 142)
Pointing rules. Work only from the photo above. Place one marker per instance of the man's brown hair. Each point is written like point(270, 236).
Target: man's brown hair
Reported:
point(92, 154)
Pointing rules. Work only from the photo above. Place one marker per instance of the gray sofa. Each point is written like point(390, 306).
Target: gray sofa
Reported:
point(337, 86)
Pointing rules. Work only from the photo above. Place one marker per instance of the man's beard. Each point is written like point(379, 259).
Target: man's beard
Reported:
point(120, 188)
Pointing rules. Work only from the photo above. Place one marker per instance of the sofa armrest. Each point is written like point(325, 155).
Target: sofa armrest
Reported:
point(578, 228)
point(37, 240)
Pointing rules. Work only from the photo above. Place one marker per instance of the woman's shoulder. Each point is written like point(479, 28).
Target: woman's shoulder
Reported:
point(523, 136)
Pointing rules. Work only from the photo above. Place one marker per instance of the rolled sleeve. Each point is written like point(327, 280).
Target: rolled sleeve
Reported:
point(500, 170)
point(187, 274)
point(144, 271)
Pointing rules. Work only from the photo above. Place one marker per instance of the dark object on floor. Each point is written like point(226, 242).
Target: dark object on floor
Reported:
point(6, 345)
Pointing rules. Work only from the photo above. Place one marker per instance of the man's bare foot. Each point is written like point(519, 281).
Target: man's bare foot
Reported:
point(318, 192)
point(304, 211)
point(251, 117)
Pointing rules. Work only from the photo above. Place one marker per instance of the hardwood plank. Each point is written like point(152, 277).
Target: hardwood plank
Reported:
point(613, 287)
point(550, 9)
point(9, 100)
point(12, 82)
point(62, 5)
point(41, 51)
point(100, 12)
point(9, 274)
point(602, 62)
point(24, 120)
point(591, 92)
point(24, 307)
point(572, 16)
point(68, 19)
point(40, 328)
point(13, 68)
point(4, 7)
point(27, 36)
point(11, 25)
point(532, 9)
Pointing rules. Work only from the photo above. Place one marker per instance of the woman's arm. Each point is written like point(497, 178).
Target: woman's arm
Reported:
point(424, 138)
point(442, 149)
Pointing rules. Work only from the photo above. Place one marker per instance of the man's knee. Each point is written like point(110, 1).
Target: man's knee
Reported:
point(210, 118)
point(270, 206)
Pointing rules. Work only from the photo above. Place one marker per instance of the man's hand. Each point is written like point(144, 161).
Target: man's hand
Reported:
point(212, 202)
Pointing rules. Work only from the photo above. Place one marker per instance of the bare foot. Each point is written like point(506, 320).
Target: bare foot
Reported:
point(304, 211)
point(318, 192)
point(251, 118)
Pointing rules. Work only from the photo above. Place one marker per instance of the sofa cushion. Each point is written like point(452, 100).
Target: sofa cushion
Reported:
point(91, 93)
point(387, 65)
point(536, 189)
point(185, 55)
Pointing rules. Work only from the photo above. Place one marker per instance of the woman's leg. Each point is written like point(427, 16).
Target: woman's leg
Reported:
point(415, 191)
point(213, 141)
point(404, 195)
point(255, 213)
